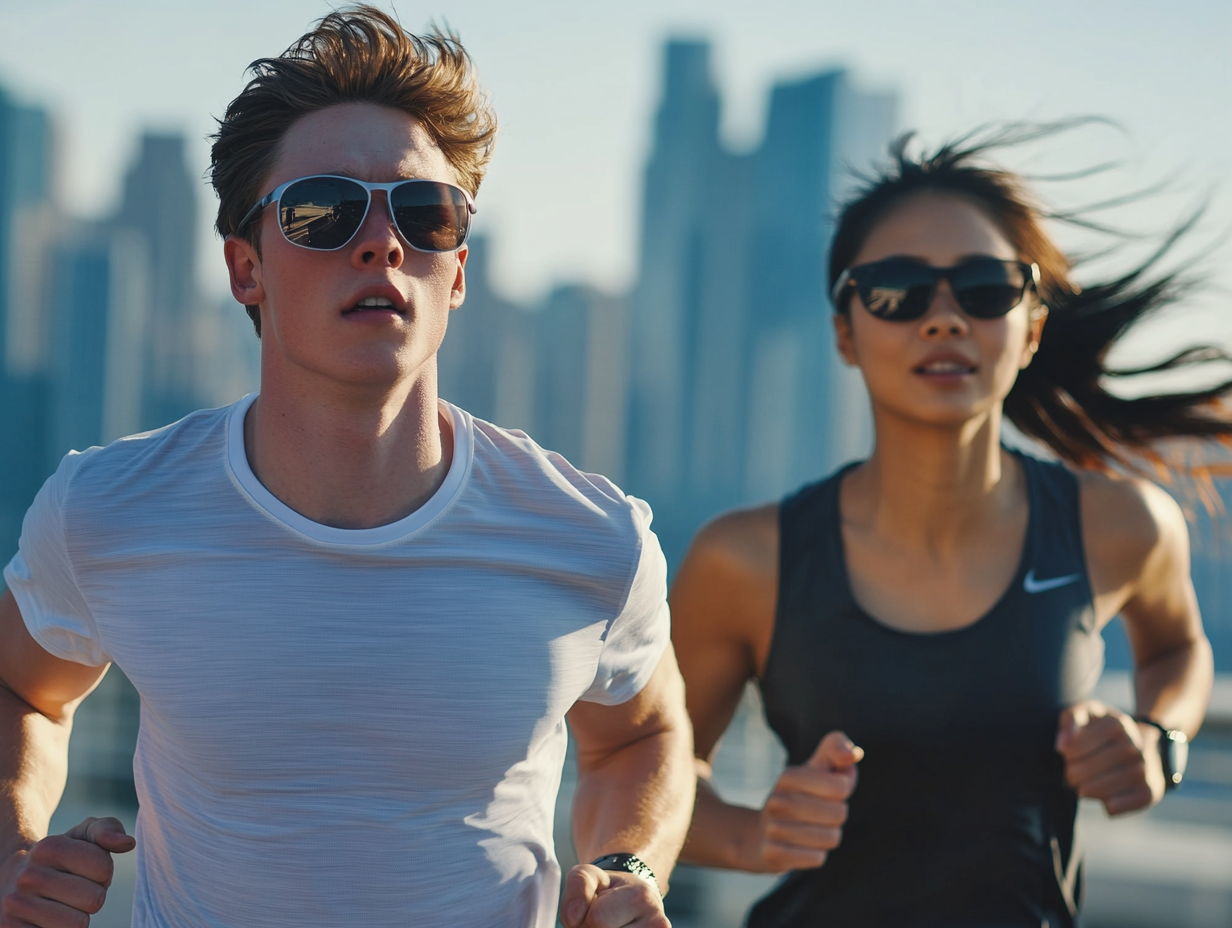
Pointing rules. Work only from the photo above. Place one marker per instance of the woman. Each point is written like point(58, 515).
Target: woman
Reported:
point(940, 604)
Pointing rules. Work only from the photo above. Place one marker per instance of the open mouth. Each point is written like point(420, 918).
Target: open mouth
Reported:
point(945, 368)
point(373, 303)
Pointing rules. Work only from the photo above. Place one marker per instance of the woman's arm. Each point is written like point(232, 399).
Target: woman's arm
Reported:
point(1137, 546)
point(723, 607)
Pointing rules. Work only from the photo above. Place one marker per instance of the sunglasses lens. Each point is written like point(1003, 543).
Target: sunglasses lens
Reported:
point(895, 290)
point(322, 212)
point(987, 289)
point(431, 216)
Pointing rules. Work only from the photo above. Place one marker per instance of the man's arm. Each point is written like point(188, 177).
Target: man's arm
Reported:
point(44, 881)
point(634, 796)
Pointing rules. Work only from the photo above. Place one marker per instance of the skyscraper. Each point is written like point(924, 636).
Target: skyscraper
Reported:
point(160, 204)
point(476, 347)
point(100, 298)
point(27, 223)
point(556, 370)
point(670, 300)
point(581, 377)
point(807, 412)
point(737, 393)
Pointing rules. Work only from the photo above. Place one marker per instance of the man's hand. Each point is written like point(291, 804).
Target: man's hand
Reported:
point(802, 821)
point(63, 877)
point(1110, 757)
point(597, 898)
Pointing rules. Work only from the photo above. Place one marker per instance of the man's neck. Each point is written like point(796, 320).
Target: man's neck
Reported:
point(350, 460)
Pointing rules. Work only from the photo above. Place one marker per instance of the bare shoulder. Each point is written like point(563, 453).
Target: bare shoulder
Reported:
point(743, 543)
point(723, 602)
point(1129, 511)
point(1129, 526)
point(725, 591)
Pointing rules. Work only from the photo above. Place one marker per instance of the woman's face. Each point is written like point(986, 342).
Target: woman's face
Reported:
point(944, 368)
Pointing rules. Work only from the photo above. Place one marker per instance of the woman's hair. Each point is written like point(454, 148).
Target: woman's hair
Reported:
point(1060, 399)
point(354, 55)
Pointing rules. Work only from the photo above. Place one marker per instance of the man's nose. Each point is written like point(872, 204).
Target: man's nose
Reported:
point(378, 239)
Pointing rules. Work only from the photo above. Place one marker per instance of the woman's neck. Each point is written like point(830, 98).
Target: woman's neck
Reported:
point(932, 485)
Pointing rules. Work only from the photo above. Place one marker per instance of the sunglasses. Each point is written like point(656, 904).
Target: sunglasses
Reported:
point(899, 289)
point(323, 212)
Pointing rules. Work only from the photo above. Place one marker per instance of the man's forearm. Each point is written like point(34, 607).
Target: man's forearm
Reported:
point(637, 800)
point(33, 769)
point(1174, 688)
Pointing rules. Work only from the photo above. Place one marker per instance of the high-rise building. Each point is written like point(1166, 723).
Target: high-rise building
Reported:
point(737, 393)
point(807, 412)
point(469, 364)
point(27, 224)
point(557, 371)
point(581, 377)
point(100, 300)
point(160, 204)
point(682, 211)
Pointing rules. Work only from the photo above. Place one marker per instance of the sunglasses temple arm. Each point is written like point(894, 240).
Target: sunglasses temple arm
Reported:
point(839, 286)
point(254, 212)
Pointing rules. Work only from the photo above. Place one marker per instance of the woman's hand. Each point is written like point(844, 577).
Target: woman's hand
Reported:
point(1110, 757)
point(802, 821)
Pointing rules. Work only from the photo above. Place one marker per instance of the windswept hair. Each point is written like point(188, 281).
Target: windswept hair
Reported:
point(357, 54)
point(1060, 399)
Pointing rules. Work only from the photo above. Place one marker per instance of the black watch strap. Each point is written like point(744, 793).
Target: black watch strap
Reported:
point(628, 863)
point(1173, 751)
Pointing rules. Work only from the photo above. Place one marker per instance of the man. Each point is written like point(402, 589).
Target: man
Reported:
point(357, 617)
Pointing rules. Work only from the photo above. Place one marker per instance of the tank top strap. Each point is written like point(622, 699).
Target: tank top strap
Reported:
point(810, 538)
point(1054, 554)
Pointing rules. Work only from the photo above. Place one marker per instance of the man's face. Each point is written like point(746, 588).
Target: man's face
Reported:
point(312, 325)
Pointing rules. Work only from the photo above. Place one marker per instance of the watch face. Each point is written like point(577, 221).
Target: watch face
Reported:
point(1178, 757)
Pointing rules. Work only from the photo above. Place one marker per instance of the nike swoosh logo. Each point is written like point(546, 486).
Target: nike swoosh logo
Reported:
point(1031, 585)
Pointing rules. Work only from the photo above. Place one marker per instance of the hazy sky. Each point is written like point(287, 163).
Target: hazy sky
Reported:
point(576, 85)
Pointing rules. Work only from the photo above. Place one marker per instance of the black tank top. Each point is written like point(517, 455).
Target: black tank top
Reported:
point(961, 816)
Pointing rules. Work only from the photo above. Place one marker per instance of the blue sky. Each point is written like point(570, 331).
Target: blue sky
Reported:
point(575, 85)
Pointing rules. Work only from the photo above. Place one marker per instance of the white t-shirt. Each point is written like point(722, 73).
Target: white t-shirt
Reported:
point(344, 727)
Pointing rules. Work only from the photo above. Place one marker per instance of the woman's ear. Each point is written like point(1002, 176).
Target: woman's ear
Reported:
point(843, 336)
point(1035, 331)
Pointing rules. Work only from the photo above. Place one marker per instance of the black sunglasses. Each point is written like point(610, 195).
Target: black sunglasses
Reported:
point(900, 289)
point(323, 212)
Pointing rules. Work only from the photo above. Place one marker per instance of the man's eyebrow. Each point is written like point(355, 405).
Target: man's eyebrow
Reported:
point(354, 174)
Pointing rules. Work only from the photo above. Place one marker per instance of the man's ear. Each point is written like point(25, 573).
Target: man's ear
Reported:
point(843, 336)
point(458, 293)
point(243, 270)
point(1035, 331)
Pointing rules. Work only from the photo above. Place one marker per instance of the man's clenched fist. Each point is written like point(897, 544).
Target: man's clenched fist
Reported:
point(597, 898)
point(56, 881)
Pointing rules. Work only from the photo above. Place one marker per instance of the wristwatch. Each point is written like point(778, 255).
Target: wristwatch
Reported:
point(1173, 751)
point(628, 863)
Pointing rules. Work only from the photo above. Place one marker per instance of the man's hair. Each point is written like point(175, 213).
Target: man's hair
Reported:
point(354, 55)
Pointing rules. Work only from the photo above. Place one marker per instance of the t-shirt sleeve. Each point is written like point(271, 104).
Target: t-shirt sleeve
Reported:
point(42, 581)
point(639, 635)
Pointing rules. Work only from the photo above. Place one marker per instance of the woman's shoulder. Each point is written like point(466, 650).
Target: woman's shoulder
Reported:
point(724, 596)
point(1128, 506)
point(1128, 523)
point(742, 541)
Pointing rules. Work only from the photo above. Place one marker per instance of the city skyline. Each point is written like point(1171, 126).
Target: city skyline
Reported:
point(728, 367)
point(957, 64)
